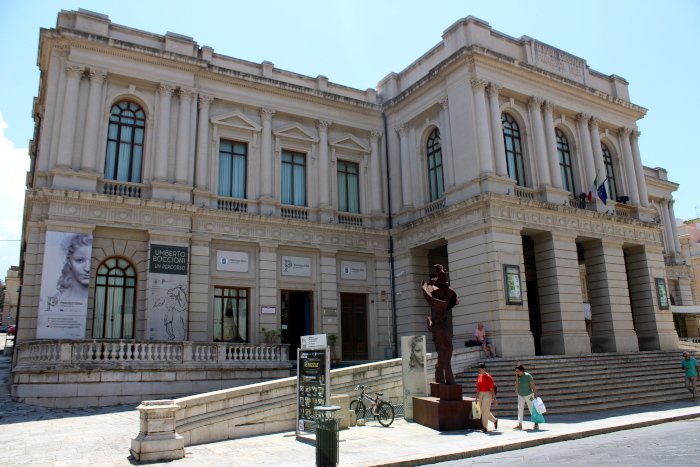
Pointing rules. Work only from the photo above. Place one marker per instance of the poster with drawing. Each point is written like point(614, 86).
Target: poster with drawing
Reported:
point(413, 371)
point(168, 294)
point(65, 281)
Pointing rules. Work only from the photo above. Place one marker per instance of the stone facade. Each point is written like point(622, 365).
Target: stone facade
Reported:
point(348, 197)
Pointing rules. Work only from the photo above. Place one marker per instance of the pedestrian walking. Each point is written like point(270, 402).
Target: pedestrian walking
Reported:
point(526, 390)
point(690, 365)
point(486, 395)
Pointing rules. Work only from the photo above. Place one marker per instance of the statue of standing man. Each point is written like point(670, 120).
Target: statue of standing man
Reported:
point(441, 299)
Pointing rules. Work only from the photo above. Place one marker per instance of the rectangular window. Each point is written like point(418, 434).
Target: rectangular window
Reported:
point(230, 314)
point(348, 187)
point(232, 169)
point(293, 178)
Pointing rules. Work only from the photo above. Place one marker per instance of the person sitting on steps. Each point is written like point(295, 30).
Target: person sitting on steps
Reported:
point(480, 336)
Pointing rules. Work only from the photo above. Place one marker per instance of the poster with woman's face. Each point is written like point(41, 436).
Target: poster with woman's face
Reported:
point(65, 282)
point(414, 375)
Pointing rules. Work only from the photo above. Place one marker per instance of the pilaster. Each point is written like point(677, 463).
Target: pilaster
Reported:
point(482, 127)
point(543, 172)
point(94, 110)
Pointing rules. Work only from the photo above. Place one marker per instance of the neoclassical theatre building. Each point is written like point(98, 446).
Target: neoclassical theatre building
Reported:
point(180, 195)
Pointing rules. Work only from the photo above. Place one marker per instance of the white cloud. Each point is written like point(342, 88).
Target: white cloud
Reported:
point(14, 164)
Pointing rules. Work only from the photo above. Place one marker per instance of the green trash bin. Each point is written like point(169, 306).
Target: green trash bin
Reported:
point(326, 436)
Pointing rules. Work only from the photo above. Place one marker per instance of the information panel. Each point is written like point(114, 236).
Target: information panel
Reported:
point(313, 386)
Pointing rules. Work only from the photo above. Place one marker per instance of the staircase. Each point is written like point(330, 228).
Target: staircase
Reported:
point(589, 383)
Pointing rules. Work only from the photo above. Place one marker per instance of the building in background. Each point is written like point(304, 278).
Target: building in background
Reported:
point(686, 312)
point(180, 195)
point(11, 297)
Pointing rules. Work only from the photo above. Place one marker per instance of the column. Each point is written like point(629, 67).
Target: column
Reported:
point(69, 116)
point(559, 284)
point(92, 120)
point(482, 126)
point(446, 142)
point(375, 180)
point(630, 170)
point(654, 328)
point(674, 229)
point(552, 153)
point(499, 149)
point(406, 179)
point(664, 216)
point(165, 92)
point(266, 153)
point(202, 167)
point(183, 136)
point(535, 105)
point(611, 313)
point(639, 169)
point(597, 149)
point(324, 176)
point(587, 152)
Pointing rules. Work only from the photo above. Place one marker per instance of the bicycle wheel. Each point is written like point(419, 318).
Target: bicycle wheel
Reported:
point(359, 408)
point(385, 413)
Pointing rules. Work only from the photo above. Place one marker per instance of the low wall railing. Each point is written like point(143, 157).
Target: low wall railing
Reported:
point(107, 352)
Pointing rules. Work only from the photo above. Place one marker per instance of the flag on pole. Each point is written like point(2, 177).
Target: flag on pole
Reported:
point(593, 190)
point(603, 193)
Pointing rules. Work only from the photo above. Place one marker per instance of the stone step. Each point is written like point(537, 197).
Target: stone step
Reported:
point(573, 384)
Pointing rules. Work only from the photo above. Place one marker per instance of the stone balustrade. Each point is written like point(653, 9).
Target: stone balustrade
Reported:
point(105, 372)
point(105, 351)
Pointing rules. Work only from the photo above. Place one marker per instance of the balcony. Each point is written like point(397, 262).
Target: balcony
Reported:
point(232, 204)
point(525, 193)
point(434, 207)
point(126, 189)
point(350, 219)
point(296, 212)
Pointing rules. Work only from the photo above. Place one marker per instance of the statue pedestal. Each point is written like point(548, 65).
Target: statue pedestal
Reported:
point(446, 409)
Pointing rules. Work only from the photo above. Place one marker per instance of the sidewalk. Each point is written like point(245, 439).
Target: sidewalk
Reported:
point(101, 437)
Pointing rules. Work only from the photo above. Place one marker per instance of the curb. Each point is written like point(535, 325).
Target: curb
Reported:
point(533, 443)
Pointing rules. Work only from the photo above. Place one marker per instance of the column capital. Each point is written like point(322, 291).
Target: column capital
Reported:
point(583, 117)
point(635, 134)
point(535, 102)
point(166, 89)
point(266, 113)
point(401, 128)
point(187, 93)
point(376, 134)
point(444, 102)
point(74, 68)
point(205, 100)
point(479, 84)
point(593, 123)
point(548, 106)
point(494, 89)
point(97, 75)
point(624, 131)
point(324, 124)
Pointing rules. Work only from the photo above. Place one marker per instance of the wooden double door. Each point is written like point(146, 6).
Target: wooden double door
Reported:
point(353, 316)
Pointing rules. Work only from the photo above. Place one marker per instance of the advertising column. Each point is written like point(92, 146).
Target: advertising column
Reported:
point(168, 293)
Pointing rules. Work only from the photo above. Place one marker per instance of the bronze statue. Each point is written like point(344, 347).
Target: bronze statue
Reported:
point(441, 298)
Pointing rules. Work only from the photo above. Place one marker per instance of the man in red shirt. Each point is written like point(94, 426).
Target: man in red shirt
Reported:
point(486, 394)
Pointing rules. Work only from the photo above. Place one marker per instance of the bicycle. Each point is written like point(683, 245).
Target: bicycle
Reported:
point(382, 410)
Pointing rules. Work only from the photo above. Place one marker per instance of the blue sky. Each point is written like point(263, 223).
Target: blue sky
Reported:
point(652, 44)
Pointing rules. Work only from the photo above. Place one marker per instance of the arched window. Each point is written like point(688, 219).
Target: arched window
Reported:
point(115, 299)
point(565, 166)
point(124, 157)
point(435, 179)
point(514, 149)
point(609, 172)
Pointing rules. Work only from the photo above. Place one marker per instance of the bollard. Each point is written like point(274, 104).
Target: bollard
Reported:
point(326, 436)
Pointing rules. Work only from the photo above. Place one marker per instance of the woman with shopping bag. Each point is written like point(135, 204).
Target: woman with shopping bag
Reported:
point(526, 390)
point(486, 395)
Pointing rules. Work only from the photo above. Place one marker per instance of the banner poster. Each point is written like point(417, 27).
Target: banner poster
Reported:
point(413, 371)
point(168, 293)
point(65, 280)
point(313, 386)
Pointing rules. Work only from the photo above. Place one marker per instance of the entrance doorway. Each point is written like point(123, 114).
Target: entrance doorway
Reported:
point(296, 318)
point(533, 296)
point(353, 320)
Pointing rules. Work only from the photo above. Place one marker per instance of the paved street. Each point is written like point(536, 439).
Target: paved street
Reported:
point(101, 437)
point(674, 443)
